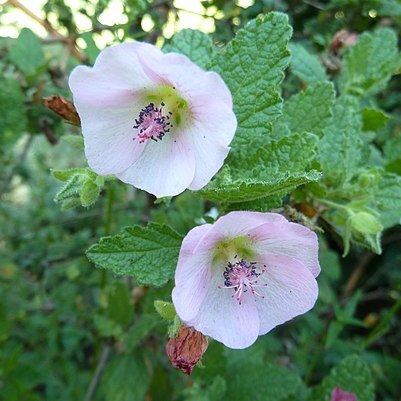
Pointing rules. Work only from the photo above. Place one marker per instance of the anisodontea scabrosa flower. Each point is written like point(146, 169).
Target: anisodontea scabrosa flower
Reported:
point(248, 272)
point(156, 121)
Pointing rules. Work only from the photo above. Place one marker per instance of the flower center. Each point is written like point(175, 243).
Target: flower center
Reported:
point(152, 123)
point(241, 277)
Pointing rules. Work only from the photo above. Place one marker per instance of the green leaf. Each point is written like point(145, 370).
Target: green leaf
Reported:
point(77, 141)
point(340, 149)
point(388, 200)
point(65, 175)
point(373, 119)
point(27, 53)
point(392, 155)
point(252, 65)
point(352, 375)
point(139, 330)
point(196, 45)
point(248, 190)
point(91, 49)
point(165, 309)
point(388, 8)
point(13, 119)
point(369, 64)
point(107, 327)
point(258, 205)
point(125, 378)
point(214, 392)
point(291, 154)
point(119, 306)
point(260, 180)
point(148, 253)
point(306, 66)
point(309, 111)
point(266, 382)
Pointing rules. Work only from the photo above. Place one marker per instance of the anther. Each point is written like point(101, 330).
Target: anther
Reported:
point(152, 123)
point(241, 277)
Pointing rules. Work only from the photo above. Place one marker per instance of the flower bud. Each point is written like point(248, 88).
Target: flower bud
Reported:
point(339, 395)
point(365, 223)
point(369, 179)
point(366, 230)
point(186, 349)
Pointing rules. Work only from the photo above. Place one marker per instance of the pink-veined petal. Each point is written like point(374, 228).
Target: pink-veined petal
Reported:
point(211, 131)
point(236, 224)
point(179, 71)
point(108, 136)
point(288, 239)
point(223, 318)
point(192, 276)
point(289, 290)
point(117, 71)
point(107, 104)
point(165, 167)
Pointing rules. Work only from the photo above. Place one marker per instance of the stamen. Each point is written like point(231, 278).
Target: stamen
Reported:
point(241, 276)
point(152, 123)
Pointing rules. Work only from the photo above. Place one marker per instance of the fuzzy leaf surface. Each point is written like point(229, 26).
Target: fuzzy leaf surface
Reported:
point(196, 45)
point(27, 54)
point(147, 253)
point(340, 149)
point(292, 154)
point(267, 382)
point(252, 65)
point(306, 66)
point(369, 64)
point(353, 375)
point(309, 111)
point(252, 189)
point(388, 200)
point(116, 387)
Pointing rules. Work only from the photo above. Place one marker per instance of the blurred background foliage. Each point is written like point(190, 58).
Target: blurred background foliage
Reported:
point(69, 331)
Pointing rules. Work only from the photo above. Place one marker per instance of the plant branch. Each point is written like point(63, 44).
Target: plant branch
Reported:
point(70, 42)
point(98, 373)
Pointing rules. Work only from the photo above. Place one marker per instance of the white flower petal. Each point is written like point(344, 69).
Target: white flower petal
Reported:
point(165, 167)
point(289, 290)
point(223, 318)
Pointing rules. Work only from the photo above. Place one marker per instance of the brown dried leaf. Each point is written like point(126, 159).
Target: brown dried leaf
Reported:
point(63, 107)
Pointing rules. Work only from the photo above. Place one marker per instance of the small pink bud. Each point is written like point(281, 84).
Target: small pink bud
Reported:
point(339, 395)
point(186, 349)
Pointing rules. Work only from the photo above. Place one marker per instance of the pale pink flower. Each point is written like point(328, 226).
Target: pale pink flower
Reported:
point(156, 121)
point(340, 395)
point(245, 274)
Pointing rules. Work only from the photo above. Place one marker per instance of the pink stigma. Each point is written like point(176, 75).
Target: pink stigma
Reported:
point(152, 124)
point(242, 277)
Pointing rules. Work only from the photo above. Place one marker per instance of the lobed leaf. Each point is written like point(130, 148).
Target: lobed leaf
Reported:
point(309, 111)
point(369, 64)
point(252, 65)
point(196, 45)
point(352, 375)
point(306, 66)
point(239, 191)
point(147, 253)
